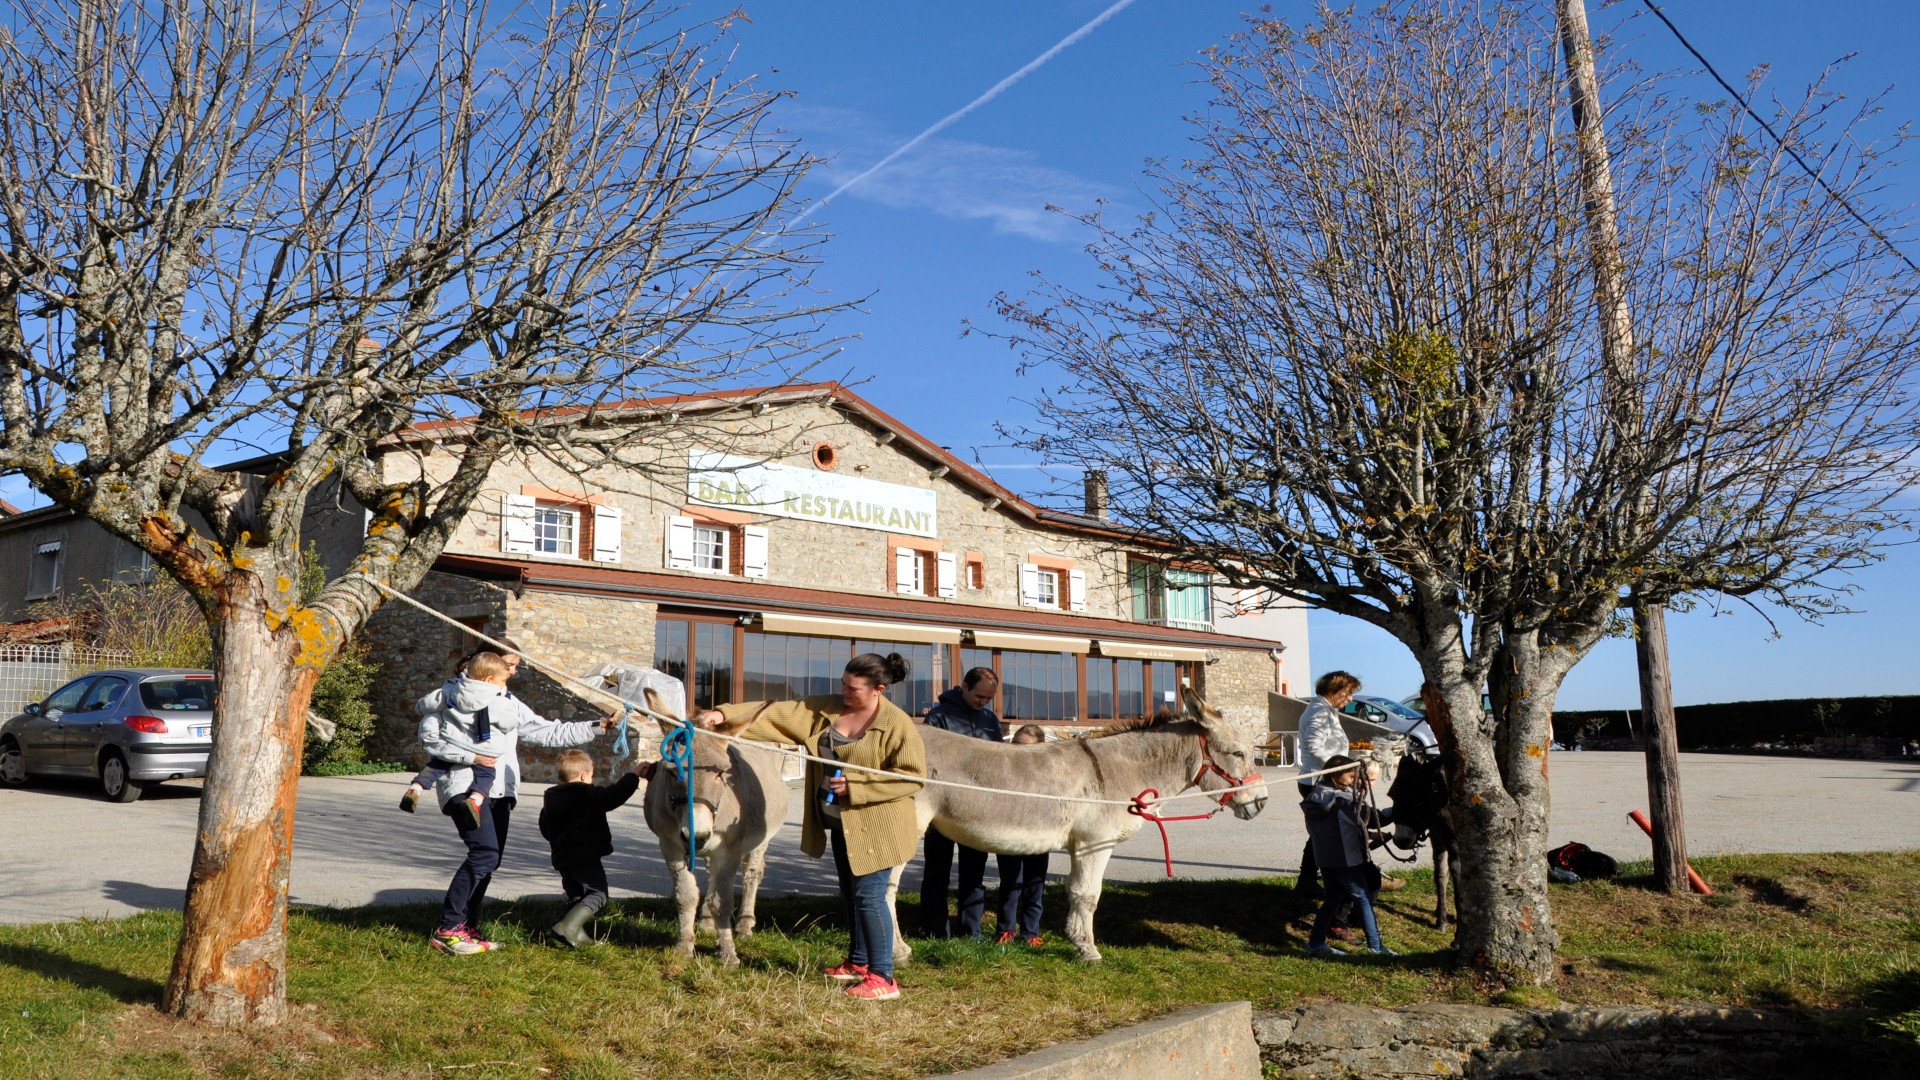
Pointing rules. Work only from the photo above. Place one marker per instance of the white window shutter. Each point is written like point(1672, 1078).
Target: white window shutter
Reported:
point(679, 543)
point(606, 533)
point(1077, 590)
point(753, 551)
point(905, 562)
point(516, 524)
point(949, 575)
point(1029, 585)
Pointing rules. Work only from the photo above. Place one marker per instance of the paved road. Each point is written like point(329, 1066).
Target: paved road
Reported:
point(68, 854)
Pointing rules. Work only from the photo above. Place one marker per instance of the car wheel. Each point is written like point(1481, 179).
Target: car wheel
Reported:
point(113, 779)
point(13, 764)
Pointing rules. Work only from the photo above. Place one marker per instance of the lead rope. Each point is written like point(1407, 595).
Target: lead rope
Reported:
point(676, 749)
point(675, 722)
point(1143, 808)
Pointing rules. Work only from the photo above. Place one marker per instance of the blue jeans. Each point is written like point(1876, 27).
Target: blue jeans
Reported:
point(468, 890)
point(1346, 885)
point(864, 900)
point(1023, 879)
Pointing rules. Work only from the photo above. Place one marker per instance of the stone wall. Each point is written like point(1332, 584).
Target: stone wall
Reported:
point(1238, 687)
point(1444, 1039)
point(416, 653)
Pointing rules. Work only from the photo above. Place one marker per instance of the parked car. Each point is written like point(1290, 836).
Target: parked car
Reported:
point(125, 727)
point(1395, 717)
point(1418, 705)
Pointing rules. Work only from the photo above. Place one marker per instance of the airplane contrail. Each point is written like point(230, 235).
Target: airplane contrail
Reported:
point(948, 120)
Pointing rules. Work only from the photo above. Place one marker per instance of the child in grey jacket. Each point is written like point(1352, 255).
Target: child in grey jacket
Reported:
point(1337, 829)
point(466, 724)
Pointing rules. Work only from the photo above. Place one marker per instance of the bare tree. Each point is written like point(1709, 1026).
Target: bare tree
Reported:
point(345, 233)
point(1355, 356)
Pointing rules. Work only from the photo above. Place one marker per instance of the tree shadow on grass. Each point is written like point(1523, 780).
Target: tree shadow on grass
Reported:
point(49, 963)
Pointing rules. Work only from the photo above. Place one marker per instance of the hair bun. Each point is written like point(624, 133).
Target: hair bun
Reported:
point(897, 669)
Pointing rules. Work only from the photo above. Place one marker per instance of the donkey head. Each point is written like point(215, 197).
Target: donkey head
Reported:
point(1230, 756)
point(710, 775)
point(1419, 798)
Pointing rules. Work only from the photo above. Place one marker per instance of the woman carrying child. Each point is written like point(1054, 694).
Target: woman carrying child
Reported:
point(870, 819)
point(1339, 841)
point(482, 810)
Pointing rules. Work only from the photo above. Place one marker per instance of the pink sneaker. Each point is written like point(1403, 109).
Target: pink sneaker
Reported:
point(847, 972)
point(875, 988)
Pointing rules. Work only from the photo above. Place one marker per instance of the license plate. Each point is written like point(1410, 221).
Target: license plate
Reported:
point(199, 731)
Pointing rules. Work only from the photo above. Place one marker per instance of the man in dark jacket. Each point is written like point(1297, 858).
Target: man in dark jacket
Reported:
point(574, 821)
point(964, 710)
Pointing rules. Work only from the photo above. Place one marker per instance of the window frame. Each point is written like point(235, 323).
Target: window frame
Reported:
point(57, 549)
point(544, 507)
point(1046, 592)
point(725, 551)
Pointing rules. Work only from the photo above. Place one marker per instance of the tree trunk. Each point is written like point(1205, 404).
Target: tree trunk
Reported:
point(1499, 809)
point(231, 965)
point(1662, 747)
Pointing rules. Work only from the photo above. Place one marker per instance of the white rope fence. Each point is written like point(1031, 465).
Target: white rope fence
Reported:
point(566, 677)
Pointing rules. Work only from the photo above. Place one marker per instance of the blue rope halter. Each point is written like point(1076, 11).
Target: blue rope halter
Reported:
point(676, 749)
point(620, 740)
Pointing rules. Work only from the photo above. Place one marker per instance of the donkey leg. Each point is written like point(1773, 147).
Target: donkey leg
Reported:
point(902, 952)
point(752, 873)
point(686, 895)
point(1083, 894)
point(721, 866)
point(708, 899)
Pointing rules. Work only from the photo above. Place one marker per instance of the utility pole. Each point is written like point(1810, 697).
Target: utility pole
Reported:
point(1616, 344)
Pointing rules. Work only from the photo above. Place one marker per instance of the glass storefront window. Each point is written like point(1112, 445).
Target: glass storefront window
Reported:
point(1100, 689)
point(1038, 686)
point(1131, 676)
point(782, 667)
point(712, 664)
point(1166, 687)
point(706, 647)
point(926, 673)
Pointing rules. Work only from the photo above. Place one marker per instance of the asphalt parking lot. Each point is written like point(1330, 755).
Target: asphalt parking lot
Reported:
point(69, 854)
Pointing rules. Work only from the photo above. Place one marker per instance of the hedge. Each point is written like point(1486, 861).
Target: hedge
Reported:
point(1793, 721)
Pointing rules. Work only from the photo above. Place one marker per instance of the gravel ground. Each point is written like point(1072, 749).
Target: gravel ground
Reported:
point(70, 854)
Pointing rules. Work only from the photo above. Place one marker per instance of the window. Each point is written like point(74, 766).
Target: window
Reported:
point(926, 673)
point(556, 530)
point(67, 698)
point(104, 694)
point(698, 652)
point(131, 565)
point(911, 570)
point(1047, 588)
point(1115, 689)
point(780, 667)
point(1038, 686)
point(1168, 596)
point(179, 693)
point(43, 577)
point(976, 573)
point(710, 546)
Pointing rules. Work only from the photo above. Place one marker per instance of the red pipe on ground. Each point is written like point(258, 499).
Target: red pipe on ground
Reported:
point(1693, 879)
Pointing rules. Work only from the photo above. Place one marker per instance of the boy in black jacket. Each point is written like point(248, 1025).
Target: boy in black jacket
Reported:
point(574, 821)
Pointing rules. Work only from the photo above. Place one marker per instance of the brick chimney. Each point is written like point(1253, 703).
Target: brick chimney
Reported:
point(1096, 486)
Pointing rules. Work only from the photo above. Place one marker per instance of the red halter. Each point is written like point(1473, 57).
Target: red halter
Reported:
point(1143, 803)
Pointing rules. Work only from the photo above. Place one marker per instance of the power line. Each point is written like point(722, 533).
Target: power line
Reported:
point(1768, 128)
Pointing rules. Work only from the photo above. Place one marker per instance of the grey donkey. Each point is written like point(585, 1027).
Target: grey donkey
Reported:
point(739, 803)
point(1170, 756)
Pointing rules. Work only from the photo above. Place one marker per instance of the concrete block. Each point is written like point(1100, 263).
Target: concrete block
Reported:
point(1205, 1042)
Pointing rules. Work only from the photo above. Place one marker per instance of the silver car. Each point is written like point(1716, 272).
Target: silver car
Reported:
point(125, 727)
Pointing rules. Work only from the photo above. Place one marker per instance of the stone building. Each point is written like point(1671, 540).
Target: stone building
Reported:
point(830, 528)
point(826, 528)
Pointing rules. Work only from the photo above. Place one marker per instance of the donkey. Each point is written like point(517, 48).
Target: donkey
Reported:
point(739, 803)
point(1167, 755)
point(1419, 795)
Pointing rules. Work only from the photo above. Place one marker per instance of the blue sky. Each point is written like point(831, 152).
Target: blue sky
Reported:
point(937, 234)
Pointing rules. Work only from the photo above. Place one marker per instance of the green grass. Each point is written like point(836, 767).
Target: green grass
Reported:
point(358, 768)
point(76, 999)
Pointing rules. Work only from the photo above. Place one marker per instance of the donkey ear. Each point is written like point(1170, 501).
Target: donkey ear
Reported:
point(658, 705)
point(735, 727)
point(1199, 711)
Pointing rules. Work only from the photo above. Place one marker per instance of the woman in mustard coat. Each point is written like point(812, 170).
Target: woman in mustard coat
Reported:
point(869, 819)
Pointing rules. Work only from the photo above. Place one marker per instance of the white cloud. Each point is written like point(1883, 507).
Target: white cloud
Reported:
point(1011, 189)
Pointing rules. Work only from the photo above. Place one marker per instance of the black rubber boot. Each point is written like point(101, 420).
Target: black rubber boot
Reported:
point(572, 927)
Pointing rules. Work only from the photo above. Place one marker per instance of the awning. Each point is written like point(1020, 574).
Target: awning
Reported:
point(859, 628)
point(1000, 639)
point(1128, 650)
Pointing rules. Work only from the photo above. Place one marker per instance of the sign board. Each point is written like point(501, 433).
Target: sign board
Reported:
point(755, 487)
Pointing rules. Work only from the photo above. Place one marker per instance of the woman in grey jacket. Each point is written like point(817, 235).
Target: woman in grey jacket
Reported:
point(515, 724)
